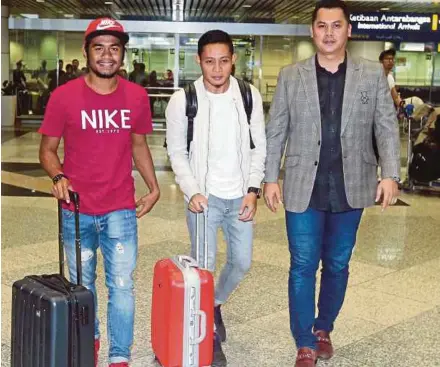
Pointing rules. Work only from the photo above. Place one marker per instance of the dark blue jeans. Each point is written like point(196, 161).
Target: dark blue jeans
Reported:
point(318, 235)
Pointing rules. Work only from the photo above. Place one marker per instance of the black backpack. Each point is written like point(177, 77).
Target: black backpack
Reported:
point(191, 107)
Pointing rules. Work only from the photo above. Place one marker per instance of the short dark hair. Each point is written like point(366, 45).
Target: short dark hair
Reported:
point(215, 36)
point(331, 4)
point(390, 52)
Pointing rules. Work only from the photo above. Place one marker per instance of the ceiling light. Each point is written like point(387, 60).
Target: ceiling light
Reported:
point(384, 9)
point(119, 13)
point(68, 15)
point(108, 2)
point(247, 6)
point(31, 16)
point(40, 1)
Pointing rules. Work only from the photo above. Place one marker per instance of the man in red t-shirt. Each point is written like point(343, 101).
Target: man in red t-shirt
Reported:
point(103, 120)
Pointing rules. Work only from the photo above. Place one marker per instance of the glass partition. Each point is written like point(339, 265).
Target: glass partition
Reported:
point(33, 57)
point(413, 68)
point(151, 60)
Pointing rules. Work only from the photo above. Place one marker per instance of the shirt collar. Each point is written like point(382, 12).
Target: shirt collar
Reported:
point(341, 68)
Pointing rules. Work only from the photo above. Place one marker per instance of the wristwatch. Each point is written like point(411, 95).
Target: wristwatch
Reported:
point(58, 177)
point(395, 178)
point(255, 190)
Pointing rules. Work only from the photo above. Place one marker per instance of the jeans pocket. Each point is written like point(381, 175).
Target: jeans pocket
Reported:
point(122, 224)
point(68, 214)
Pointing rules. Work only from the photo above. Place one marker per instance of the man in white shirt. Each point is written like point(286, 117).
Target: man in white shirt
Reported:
point(386, 58)
point(221, 166)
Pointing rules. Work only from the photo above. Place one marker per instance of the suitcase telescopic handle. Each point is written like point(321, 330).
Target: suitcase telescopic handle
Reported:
point(74, 197)
point(205, 240)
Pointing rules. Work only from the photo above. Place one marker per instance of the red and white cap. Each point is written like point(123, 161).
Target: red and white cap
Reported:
point(103, 26)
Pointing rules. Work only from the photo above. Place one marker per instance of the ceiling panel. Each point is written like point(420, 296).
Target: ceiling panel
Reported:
point(268, 11)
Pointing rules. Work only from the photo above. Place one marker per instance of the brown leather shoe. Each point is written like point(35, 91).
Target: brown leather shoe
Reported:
point(324, 347)
point(306, 358)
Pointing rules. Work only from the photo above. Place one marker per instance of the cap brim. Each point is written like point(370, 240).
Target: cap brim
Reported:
point(121, 35)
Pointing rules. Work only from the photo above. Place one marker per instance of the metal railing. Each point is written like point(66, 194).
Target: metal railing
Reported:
point(159, 98)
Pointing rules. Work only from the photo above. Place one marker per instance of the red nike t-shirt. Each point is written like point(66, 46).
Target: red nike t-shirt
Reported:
point(97, 141)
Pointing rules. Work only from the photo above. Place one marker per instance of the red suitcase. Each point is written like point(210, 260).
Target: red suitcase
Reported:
point(182, 319)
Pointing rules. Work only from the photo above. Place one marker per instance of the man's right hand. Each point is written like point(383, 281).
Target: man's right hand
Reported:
point(196, 202)
point(61, 190)
point(272, 195)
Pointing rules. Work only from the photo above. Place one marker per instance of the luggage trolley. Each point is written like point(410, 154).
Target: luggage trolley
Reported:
point(412, 128)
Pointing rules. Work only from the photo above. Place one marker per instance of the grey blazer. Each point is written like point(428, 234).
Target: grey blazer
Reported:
point(295, 118)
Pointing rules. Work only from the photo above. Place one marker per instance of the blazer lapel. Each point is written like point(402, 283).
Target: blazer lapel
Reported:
point(351, 96)
point(310, 84)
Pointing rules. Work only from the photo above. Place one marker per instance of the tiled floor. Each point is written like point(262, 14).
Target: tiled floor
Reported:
point(392, 309)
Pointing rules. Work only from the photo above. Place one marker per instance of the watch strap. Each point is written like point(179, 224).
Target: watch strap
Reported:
point(58, 177)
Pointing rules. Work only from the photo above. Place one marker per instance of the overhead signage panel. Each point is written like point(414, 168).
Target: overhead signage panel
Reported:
point(395, 26)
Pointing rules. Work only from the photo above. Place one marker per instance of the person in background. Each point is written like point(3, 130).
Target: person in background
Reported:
point(18, 77)
point(42, 74)
point(387, 58)
point(123, 73)
point(75, 68)
point(169, 79)
point(324, 109)
point(57, 77)
point(69, 73)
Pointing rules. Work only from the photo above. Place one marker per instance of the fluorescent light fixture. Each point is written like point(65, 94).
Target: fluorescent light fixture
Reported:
point(384, 9)
point(68, 15)
point(108, 2)
point(119, 13)
point(40, 1)
point(412, 46)
point(247, 6)
point(30, 16)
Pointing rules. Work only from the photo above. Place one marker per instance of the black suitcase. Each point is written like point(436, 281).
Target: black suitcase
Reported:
point(53, 319)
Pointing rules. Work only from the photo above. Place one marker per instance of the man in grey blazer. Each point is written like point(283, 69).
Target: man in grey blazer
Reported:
point(325, 109)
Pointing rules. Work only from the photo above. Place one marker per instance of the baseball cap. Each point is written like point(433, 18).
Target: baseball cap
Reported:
point(103, 26)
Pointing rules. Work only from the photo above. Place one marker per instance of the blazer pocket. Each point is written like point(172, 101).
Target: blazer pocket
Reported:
point(291, 161)
point(370, 159)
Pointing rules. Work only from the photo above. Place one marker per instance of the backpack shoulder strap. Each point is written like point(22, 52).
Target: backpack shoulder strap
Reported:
point(246, 95)
point(191, 110)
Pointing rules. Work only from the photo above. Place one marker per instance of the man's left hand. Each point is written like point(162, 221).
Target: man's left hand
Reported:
point(147, 202)
point(248, 207)
point(389, 191)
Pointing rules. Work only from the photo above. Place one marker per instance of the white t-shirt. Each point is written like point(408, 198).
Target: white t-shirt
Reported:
point(224, 178)
point(391, 81)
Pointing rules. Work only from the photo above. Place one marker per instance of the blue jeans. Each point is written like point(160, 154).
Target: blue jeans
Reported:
point(313, 236)
point(116, 234)
point(238, 235)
